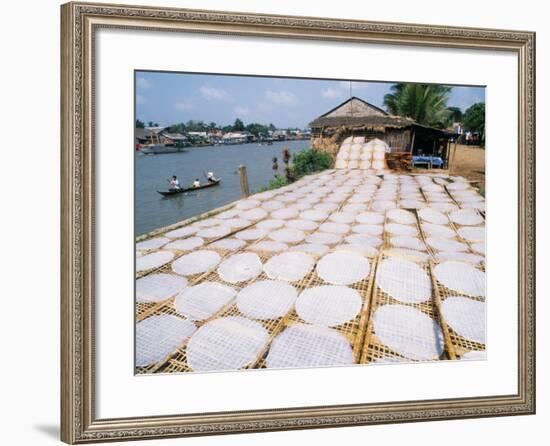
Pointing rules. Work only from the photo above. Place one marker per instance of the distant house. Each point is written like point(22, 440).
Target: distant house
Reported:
point(279, 135)
point(356, 117)
point(231, 138)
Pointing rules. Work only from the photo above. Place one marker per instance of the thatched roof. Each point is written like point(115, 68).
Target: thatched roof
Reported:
point(355, 112)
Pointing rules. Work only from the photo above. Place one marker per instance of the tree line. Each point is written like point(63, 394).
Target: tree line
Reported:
point(200, 126)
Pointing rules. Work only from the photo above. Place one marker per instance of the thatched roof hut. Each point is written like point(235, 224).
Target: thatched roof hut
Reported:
point(357, 117)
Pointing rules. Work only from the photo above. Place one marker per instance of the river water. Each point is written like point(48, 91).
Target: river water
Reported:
point(153, 211)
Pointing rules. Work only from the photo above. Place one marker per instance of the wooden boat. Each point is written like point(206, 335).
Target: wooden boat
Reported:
point(188, 189)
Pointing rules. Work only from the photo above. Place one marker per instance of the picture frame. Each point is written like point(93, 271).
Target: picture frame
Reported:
point(80, 22)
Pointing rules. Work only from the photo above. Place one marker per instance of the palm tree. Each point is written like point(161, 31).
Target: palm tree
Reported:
point(426, 104)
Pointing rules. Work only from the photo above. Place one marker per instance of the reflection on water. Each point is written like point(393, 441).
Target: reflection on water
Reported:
point(153, 171)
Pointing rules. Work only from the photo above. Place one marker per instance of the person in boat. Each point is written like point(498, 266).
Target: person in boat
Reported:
point(210, 177)
point(196, 183)
point(174, 183)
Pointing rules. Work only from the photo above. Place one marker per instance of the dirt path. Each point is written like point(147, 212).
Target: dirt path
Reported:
point(469, 162)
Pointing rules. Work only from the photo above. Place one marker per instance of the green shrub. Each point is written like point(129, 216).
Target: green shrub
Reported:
point(310, 161)
point(275, 183)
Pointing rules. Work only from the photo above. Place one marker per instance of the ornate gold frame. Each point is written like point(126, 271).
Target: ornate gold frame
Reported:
point(79, 22)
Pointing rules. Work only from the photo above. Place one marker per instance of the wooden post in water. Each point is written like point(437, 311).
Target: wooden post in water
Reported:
point(245, 191)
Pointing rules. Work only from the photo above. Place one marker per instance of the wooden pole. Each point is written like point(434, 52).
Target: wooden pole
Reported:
point(245, 191)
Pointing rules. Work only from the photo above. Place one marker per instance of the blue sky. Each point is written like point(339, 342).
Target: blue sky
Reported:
point(168, 98)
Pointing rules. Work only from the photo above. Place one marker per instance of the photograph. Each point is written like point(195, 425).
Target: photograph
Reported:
point(298, 222)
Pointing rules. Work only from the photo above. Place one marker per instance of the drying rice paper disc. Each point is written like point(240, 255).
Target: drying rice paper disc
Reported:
point(158, 287)
point(461, 257)
point(303, 345)
point(410, 254)
point(328, 305)
point(289, 266)
point(353, 164)
point(327, 207)
point(446, 244)
point(466, 217)
point(370, 218)
point(398, 229)
point(228, 214)
point(269, 246)
point(196, 262)
point(313, 248)
point(408, 243)
point(461, 277)
point(409, 332)
point(228, 243)
point(466, 317)
point(285, 214)
point(240, 267)
point(404, 280)
point(159, 336)
point(434, 230)
point(215, 232)
point(229, 343)
point(378, 164)
point(458, 186)
point(368, 229)
point(266, 299)
point(472, 234)
point(362, 239)
point(273, 205)
point(314, 215)
point(342, 217)
point(343, 268)
point(251, 234)
point(335, 228)
point(341, 164)
point(247, 204)
point(236, 223)
point(479, 247)
point(208, 223)
point(185, 244)
point(152, 243)
point(411, 204)
point(182, 232)
point(287, 235)
point(444, 207)
point(202, 301)
point(324, 238)
point(302, 225)
point(362, 249)
point(401, 216)
point(254, 214)
point(153, 260)
point(270, 224)
point(383, 205)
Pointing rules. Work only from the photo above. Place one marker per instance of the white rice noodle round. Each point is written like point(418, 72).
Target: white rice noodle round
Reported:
point(287, 235)
point(324, 238)
point(408, 332)
point(404, 280)
point(342, 217)
point(433, 216)
point(407, 242)
point(446, 244)
point(461, 277)
point(383, 205)
point(268, 246)
point(368, 229)
point(228, 244)
point(228, 343)
point(371, 218)
point(186, 231)
point(471, 234)
point(363, 239)
point(303, 345)
point(343, 268)
point(266, 299)
point(401, 216)
point(153, 260)
point(314, 215)
point(240, 267)
point(408, 254)
point(479, 247)
point(185, 244)
point(196, 262)
point(159, 336)
point(215, 232)
point(247, 204)
point(251, 234)
point(328, 305)
point(476, 259)
point(433, 230)
point(466, 317)
point(466, 217)
point(254, 214)
point(311, 248)
point(398, 229)
point(289, 266)
point(158, 287)
point(285, 214)
point(270, 224)
point(152, 243)
point(202, 301)
point(335, 228)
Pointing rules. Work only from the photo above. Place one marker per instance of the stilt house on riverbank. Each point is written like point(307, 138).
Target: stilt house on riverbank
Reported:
point(356, 117)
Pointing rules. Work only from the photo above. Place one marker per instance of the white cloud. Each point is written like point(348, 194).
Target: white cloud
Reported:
point(281, 97)
point(241, 111)
point(186, 104)
point(216, 94)
point(331, 93)
point(141, 82)
point(140, 99)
